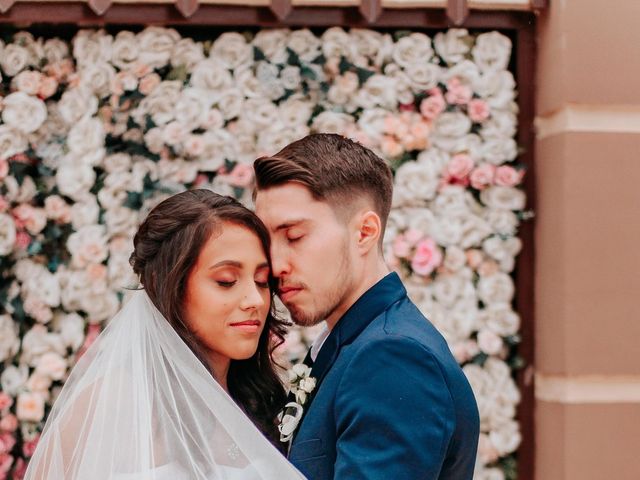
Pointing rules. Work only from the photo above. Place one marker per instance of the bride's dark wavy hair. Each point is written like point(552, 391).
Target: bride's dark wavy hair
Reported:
point(166, 248)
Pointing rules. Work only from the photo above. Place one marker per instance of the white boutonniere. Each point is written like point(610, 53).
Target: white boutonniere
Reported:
point(301, 385)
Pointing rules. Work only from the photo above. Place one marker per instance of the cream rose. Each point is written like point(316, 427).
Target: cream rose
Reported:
point(332, 122)
point(30, 407)
point(507, 438)
point(272, 42)
point(155, 45)
point(55, 50)
point(501, 319)
point(452, 124)
point(71, 329)
point(38, 341)
point(98, 78)
point(23, 112)
point(12, 141)
point(496, 151)
point(76, 104)
point(92, 47)
point(75, 181)
point(160, 103)
point(336, 42)
point(415, 184)
point(305, 44)
point(492, 51)
point(496, 288)
point(100, 307)
point(232, 49)
point(412, 49)
point(378, 90)
point(88, 245)
point(192, 108)
point(9, 341)
point(87, 136)
point(52, 365)
point(507, 198)
point(187, 53)
point(423, 76)
point(14, 59)
point(13, 379)
point(452, 46)
point(125, 50)
point(85, 212)
point(7, 234)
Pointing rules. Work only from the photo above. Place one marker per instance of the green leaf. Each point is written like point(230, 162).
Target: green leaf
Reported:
point(133, 201)
point(344, 65)
point(258, 54)
point(178, 73)
point(293, 58)
point(34, 248)
point(363, 75)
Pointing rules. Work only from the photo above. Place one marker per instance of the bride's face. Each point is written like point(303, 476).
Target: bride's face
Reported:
point(227, 296)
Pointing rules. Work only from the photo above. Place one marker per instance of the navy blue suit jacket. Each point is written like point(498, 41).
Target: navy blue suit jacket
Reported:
point(391, 402)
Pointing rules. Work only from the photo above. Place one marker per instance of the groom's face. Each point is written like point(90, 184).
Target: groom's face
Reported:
point(310, 252)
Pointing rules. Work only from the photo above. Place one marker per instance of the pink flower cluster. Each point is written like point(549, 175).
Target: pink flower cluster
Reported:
point(36, 83)
point(405, 132)
point(8, 427)
point(462, 170)
point(457, 94)
point(419, 252)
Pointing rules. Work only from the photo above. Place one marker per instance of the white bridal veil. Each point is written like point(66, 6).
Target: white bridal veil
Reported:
point(140, 405)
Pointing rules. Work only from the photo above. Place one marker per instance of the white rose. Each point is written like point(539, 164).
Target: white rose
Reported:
point(84, 213)
point(19, 193)
point(295, 113)
point(499, 150)
point(9, 341)
point(85, 137)
point(210, 75)
point(501, 319)
point(14, 59)
point(88, 245)
point(160, 103)
point(231, 103)
point(453, 200)
point(492, 51)
point(336, 42)
point(155, 45)
point(13, 379)
point(30, 407)
point(477, 377)
point(305, 44)
point(7, 234)
point(372, 121)
point(454, 258)
point(496, 288)
point(55, 50)
point(12, 141)
point(452, 124)
point(38, 341)
point(52, 365)
point(187, 53)
point(370, 44)
point(192, 108)
point(495, 473)
point(332, 122)
point(23, 112)
point(423, 76)
point(232, 49)
point(452, 46)
point(489, 342)
point(117, 162)
point(98, 78)
point(100, 307)
point(92, 47)
point(507, 438)
point(508, 198)
point(503, 251)
point(498, 89)
point(120, 273)
point(412, 49)
point(272, 43)
point(447, 288)
point(466, 71)
point(70, 326)
point(501, 124)
point(121, 220)
point(125, 50)
point(415, 184)
point(76, 104)
point(27, 81)
point(378, 90)
point(75, 181)
point(290, 77)
point(261, 113)
point(218, 145)
point(43, 285)
point(274, 139)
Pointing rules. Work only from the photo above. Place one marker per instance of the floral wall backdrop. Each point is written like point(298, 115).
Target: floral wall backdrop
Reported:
point(94, 132)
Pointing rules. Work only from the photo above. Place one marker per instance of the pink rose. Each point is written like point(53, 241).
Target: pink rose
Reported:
point(432, 106)
point(4, 205)
point(7, 442)
point(482, 176)
point(474, 258)
point(401, 248)
point(413, 236)
point(194, 145)
point(390, 147)
point(149, 83)
point(33, 219)
point(478, 110)
point(6, 461)
point(140, 69)
point(5, 401)
point(241, 176)
point(48, 86)
point(23, 239)
point(97, 271)
point(9, 423)
point(460, 166)
point(20, 469)
point(57, 209)
point(507, 176)
point(457, 93)
point(391, 123)
point(28, 448)
point(426, 257)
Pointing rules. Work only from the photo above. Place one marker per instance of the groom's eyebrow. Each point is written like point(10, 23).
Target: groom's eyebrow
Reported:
point(290, 223)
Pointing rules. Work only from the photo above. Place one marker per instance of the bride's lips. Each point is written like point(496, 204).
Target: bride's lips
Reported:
point(286, 293)
point(248, 326)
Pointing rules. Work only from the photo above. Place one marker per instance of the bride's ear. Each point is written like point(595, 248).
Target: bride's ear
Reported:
point(369, 231)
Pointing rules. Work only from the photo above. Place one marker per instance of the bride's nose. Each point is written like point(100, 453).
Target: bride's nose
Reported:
point(252, 297)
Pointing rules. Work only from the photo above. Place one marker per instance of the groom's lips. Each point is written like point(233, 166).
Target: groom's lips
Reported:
point(286, 293)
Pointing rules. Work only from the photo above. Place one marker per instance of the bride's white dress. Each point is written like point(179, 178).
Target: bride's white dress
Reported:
point(140, 405)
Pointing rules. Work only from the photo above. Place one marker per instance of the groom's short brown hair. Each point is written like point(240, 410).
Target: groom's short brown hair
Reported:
point(334, 169)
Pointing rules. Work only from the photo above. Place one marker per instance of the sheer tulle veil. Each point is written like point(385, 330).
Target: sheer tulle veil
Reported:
point(140, 405)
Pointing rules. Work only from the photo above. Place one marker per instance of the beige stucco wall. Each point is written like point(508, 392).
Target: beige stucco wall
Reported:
point(588, 241)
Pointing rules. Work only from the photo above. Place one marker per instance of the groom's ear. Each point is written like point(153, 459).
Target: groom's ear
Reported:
point(369, 230)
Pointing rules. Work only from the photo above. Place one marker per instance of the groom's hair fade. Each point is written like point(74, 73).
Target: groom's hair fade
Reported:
point(335, 169)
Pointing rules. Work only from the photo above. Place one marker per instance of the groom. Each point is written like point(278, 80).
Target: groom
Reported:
point(390, 401)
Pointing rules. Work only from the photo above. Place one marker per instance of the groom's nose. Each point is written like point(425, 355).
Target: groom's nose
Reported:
point(280, 260)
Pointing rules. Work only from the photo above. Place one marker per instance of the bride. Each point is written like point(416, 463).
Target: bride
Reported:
point(181, 384)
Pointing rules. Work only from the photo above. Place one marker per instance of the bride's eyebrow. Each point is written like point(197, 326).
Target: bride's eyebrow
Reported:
point(226, 263)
